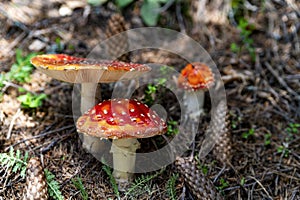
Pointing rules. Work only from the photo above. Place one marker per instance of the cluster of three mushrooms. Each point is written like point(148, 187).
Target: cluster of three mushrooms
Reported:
point(122, 120)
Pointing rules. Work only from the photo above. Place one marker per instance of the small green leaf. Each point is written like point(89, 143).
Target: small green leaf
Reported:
point(29, 100)
point(243, 180)
point(162, 1)
point(123, 3)
point(26, 68)
point(224, 184)
point(18, 154)
point(15, 168)
point(234, 48)
point(150, 12)
point(250, 132)
point(23, 172)
point(15, 161)
point(268, 139)
point(19, 57)
point(96, 2)
point(53, 186)
point(20, 89)
point(162, 81)
point(11, 152)
point(23, 98)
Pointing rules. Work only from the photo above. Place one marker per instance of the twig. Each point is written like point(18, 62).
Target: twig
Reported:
point(57, 140)
point(166, 6)
point(180, 18)
point(292, 76)
point(10, 84)
point(41, 135)
point(219, 174)
point(183, 193)
point(12, 123)
point(281, 80)
point(8, 49)
point(259, 183)
point(49, 146)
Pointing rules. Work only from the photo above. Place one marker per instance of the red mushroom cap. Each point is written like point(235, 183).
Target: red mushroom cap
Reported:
point(196, 76)
point(121, 118)
point(73, 69)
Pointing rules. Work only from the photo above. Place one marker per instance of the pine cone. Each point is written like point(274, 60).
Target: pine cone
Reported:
point(37, 188)
point(200, 186)
point(223, 146)
point(222, 150)
point(118, 45)
point(218, 135)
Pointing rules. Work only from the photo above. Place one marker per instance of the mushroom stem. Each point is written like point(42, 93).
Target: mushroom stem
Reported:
point(194, 102)
point(124, 160)
point(90, 96)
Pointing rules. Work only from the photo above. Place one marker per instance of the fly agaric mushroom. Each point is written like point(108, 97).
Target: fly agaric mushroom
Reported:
point(195, 79)
point(89, 73)
point(124, 121)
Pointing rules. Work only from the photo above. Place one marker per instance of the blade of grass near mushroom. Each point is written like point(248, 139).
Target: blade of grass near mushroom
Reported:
point(88, 73)
point(123, 121)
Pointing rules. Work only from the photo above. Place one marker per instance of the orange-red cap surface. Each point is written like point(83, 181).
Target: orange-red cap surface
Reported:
point(196, 76)
point(78, 70)
point(121, 118)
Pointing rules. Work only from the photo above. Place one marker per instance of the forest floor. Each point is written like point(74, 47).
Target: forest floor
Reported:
point(256, 49)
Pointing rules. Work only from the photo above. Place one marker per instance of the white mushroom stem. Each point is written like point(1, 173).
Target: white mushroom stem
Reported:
point(90, 96)
point(124, 155)
point(194, 102)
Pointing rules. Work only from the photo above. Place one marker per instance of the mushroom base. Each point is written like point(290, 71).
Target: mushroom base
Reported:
point(124, 155)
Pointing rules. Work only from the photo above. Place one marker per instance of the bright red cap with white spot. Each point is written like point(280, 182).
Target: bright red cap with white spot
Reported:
point(196, 76)
point(121, 118)
point(80, 70)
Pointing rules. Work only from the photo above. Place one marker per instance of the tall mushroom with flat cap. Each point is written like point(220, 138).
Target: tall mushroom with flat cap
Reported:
point(89, 73)
point(124, 121)
point(195, 79)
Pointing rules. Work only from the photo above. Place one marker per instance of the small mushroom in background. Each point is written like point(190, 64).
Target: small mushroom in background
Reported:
point(89, 73)
point(195, 79)
point(123, 121)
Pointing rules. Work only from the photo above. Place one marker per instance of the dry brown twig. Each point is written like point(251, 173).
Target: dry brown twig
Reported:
point(42, 135)
point(12, 123)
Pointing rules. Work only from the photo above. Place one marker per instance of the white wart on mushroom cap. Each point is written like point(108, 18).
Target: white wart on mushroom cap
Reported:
point(81, 70)
point(121, 118)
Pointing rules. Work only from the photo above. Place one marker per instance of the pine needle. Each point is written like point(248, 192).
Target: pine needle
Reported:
point(79, 185)
point(111, 179)
point(141, 185)
point(171, 187)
